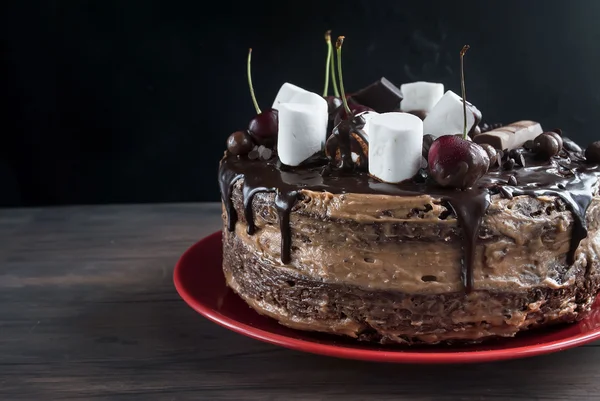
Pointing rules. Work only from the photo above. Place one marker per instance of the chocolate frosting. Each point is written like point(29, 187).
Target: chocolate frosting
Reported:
point(567, 176)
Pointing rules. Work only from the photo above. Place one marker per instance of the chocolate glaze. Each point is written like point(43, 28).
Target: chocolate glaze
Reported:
point(571, 179)
point(477, 115)
point(342, 140)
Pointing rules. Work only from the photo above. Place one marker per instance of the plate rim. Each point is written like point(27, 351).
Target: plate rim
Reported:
point(341, 351)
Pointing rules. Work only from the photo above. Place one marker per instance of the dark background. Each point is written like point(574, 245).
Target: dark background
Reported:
point(131, 101)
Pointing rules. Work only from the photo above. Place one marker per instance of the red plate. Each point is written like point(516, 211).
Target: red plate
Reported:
point(200, 282)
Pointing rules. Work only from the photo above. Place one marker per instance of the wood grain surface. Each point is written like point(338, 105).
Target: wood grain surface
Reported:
point(88, 311)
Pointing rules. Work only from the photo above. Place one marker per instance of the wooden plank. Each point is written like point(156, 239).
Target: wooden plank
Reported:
point(88, 311)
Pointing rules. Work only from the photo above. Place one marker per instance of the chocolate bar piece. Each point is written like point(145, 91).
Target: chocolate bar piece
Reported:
point(510, 136)
point(382, 96)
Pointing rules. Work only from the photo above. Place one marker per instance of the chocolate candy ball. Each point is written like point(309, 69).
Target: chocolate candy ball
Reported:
point(491, 152)
point(558, 136)
point(239, 143)
point(547, 144)
point(592, 153)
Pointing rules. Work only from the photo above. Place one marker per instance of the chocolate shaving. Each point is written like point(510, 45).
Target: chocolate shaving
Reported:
point(509, 164)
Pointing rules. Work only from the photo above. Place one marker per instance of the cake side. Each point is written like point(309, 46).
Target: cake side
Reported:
point(388, 316)
point(339, 279)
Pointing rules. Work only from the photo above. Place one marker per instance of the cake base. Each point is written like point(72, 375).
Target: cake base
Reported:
point(386, 317)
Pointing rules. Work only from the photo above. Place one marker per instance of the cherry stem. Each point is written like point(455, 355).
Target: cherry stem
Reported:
point(328, 62)
point(462, 87)
point(250, 83)
point(336, 92)
point(338, 46)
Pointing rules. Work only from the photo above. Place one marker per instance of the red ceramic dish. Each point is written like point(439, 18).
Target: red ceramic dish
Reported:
point(200, 282)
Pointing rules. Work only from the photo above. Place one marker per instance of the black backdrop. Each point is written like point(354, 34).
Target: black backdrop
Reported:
point(131, 101)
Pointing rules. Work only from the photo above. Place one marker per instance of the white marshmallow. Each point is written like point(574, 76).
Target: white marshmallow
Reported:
point(420, 95)
point(368, 115)
point(447, 117)
point(302, 130)
point(286, 93)
point(307, 97)
point(395, 146)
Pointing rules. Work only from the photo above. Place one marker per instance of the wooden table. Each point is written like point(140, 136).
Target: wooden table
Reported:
point(88, 311)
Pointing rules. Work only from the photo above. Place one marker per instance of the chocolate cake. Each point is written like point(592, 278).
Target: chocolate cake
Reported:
point(492, 233)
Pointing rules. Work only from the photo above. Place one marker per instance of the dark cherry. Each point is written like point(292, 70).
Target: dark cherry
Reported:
point(456, 162)
point(263, 127)
point(592, 153)
point(355, 108)
point(547, 144)
point(239, 143)
point(571, 146)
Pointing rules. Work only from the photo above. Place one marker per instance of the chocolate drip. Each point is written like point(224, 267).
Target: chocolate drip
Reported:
point(570, 179)
point(363, 154)
point(227, 179)
point(343, 131)
point(577, 193)
point(469, 209)
point(248, 196)
point(579, 201)
point(477, 115)
point(284, 202)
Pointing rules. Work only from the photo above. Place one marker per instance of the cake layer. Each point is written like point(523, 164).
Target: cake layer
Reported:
point(414, 244)
point(389, 316)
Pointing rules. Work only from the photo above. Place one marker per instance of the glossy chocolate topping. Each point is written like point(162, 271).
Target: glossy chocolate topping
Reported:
point(567, 176)
point(348, 137)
